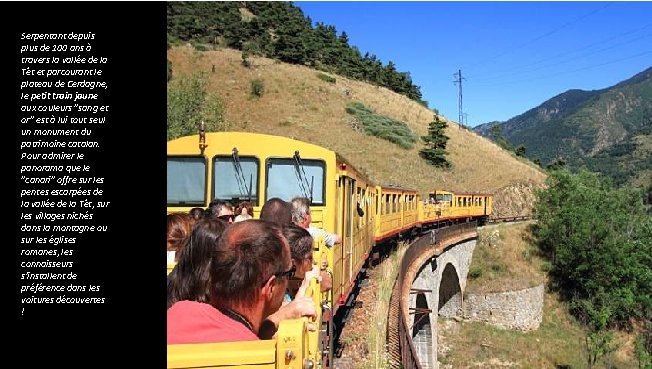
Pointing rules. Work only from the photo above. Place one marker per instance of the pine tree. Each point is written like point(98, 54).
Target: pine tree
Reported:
point(435, 151)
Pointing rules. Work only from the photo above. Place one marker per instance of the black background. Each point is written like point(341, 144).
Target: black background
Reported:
point(127, 261)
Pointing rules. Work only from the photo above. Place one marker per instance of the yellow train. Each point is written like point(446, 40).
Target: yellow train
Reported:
point(238, 166)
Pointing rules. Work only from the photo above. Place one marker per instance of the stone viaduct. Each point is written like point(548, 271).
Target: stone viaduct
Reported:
point(433, 285)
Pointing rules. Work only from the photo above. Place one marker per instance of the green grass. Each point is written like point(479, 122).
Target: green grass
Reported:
point(381, 126)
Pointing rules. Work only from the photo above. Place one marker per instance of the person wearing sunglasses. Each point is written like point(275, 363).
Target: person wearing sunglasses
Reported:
point(222, 210)
point(249, 274)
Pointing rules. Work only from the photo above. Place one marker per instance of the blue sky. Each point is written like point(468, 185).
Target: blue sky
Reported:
point(513, 55)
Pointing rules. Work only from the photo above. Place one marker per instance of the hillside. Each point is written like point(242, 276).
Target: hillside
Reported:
point(609, 130)
point(297, 103)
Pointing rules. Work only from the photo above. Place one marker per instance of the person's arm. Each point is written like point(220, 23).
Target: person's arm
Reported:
point(299, 307)
point(326, 283)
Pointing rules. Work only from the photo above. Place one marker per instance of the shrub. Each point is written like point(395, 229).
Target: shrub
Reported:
point(257, 88)
point(326, 77)
point(475, 272)
point(200, 47)
point(381, 126)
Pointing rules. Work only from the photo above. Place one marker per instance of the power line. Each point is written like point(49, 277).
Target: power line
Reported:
point(506, 52)
point(501, 74)
point(574, 70)
point(563, 61)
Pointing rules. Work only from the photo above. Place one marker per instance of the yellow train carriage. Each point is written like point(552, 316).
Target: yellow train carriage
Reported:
point(471, 206)
point(239, 166)
point(448, 207)
point(397, 211)
point(355, 224)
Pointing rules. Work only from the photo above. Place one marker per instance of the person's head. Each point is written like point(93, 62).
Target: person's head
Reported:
point(250, 269)
point(179, 228)
point(245, 210)
point(191, 279)
point(196, 214)
point(222, 210)
point(301, 211)
point(301, 248)
point(277, 211)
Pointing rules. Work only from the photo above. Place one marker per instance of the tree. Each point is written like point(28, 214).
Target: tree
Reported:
point(189, 104)
point(520, 150)
point(436, 140)
point(599, 241)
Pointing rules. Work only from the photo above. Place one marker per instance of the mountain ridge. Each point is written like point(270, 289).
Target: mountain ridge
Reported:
point(578, 126)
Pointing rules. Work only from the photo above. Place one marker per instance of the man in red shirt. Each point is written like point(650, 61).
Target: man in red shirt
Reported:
point(249, 274)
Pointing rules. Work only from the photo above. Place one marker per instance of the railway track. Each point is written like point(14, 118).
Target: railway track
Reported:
point(509, 219)
point(393, 340)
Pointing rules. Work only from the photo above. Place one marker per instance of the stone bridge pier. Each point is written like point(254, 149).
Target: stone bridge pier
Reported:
point(438, 289)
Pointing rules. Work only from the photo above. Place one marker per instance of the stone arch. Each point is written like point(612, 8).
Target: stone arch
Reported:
point(422, 331)
point(450, 293)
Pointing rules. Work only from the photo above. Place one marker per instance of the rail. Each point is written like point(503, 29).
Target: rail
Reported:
point(509, 219)
point(439, 239)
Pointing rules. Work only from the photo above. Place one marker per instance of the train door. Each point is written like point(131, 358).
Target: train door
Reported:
point(338, 275)
point(347, 235)
point(342, 252)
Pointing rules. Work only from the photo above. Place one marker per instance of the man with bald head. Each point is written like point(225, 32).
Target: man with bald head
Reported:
point(249, 274)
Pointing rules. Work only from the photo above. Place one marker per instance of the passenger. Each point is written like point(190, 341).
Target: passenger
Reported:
point(222, 210)
point(244, 211)
point(190, 277)
point(301, 249)
point(301, 217)
point(179, 228)
point(249, 273)
point(277, 211)
point(197, 214)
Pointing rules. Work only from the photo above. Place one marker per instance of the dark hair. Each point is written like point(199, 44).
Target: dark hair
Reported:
point(179, 228)
point(196, 213)
point(244, 205)
point(277, 211)
point(192, 272)
point(215, 208)
point(247, 255)
point(299, 239)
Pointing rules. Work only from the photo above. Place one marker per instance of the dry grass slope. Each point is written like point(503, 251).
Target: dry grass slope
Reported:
point(298, 104)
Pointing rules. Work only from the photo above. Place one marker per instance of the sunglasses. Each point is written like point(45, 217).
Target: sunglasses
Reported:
point(226, 218)
point(287, 274)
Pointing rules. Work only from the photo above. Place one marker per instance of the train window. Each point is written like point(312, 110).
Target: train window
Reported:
point(236, 180)
point(444, 197)
point(186, 184)
point(287, 179)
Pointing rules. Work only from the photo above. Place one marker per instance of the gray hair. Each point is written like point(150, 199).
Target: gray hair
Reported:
point(300, 208)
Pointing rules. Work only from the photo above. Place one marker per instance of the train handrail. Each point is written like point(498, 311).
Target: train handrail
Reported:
point(287, 350)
